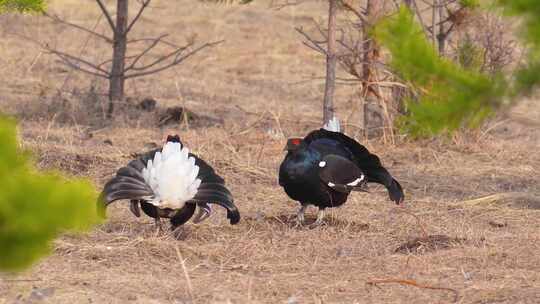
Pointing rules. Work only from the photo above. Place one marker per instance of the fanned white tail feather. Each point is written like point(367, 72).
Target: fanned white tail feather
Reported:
point(172, 175)
point(333, 125)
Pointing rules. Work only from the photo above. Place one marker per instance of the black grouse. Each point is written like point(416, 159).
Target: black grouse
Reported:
point(325, 166)
point(170, 183)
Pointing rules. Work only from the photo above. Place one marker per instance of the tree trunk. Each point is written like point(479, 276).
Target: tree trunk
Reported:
point(116, 82)
point(441, 36)
point(331, 60)
point(373, 116)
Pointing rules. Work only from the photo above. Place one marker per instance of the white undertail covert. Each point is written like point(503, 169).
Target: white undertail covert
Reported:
point(333, 125)
point(172, 175)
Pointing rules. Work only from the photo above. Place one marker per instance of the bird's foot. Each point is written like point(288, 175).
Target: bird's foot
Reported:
point(298, 222)
point(300, 219)
point(159, 227)
point(319, 221)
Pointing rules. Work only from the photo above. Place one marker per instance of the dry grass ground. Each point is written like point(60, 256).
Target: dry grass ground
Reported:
point(491, 256)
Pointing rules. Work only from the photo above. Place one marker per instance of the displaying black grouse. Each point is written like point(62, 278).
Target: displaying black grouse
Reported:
point(170, 183)
point(325, 166)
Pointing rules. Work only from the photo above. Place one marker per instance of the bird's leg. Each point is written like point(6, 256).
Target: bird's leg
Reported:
point(300, 215)
point(157, 220)
point(319, 221)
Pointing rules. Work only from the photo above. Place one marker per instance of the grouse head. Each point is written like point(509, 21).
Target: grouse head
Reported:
point(174, 138)
point(294, 144)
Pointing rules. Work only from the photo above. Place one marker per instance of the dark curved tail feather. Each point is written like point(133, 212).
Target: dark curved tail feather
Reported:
point(396, 192)
point(217, 193)
point(128, 184)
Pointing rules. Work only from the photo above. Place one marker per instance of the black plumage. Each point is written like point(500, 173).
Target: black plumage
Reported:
point(325, 166)
point(129, 184)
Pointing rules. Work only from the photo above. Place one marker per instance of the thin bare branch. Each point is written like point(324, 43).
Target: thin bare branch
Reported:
point(144, 4)
point(178, 59)
point(168, 43)
point(415, 284)
point(79, 27)
point(349, 7)
point(312, 43)
point(79, 68)
point(70, 59)
point(144, 52)
point(278, 6)
point(107, 15)
point(161, 59)
point(73, 60)
point(110, 60)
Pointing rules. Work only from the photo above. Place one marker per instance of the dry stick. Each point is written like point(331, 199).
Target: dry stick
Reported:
point(34, 61)
point(374, 282)
point(186, 275)
point(260, 152)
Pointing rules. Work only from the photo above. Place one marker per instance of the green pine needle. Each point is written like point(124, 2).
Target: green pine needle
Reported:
point(451, 96)
point(36, 207)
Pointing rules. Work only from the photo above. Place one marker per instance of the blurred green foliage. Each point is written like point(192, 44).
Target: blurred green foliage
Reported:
point(529, 12)
point(450, 95)
point(22, 6)
point(469, 3)
point(36, 207)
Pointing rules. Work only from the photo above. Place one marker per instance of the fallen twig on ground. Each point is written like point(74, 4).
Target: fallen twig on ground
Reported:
point(374, 282)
